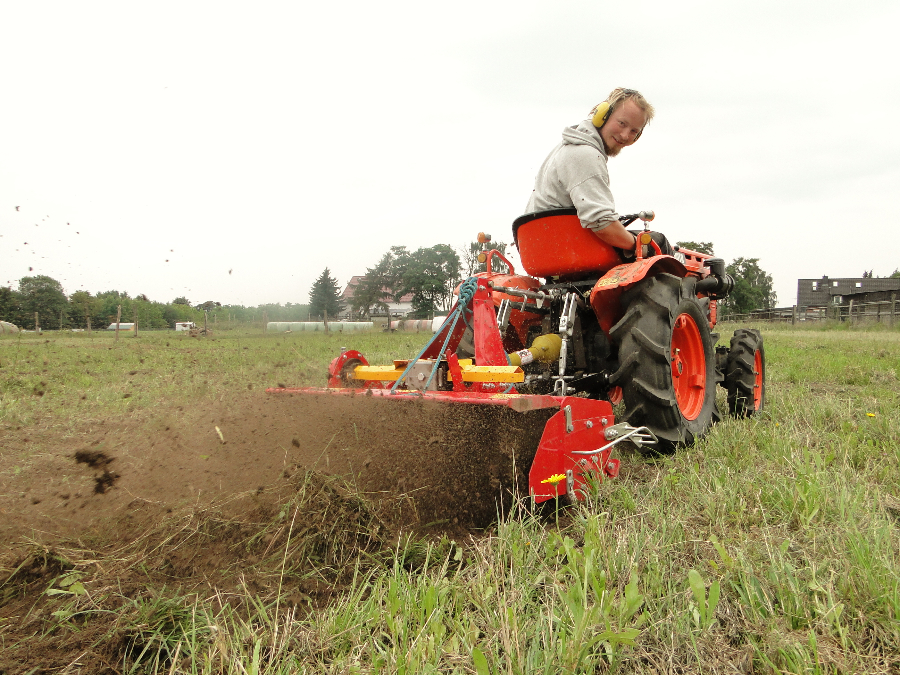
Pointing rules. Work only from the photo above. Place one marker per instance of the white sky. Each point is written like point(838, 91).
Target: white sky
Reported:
point(230, 152)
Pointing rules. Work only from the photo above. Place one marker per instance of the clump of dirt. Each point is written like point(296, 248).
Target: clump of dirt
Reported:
point(98, 460)
point(95, 460)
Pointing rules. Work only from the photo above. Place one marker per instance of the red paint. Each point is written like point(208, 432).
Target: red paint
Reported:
point(554, 454)
point(688, 366)
point(558, 246)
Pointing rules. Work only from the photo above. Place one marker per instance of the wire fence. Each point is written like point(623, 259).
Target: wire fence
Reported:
point(879, 311)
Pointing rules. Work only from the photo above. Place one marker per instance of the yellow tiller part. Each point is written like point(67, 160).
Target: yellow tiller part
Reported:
point(470, 373)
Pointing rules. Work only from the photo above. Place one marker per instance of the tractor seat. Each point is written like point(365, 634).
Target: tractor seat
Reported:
point(554, 244)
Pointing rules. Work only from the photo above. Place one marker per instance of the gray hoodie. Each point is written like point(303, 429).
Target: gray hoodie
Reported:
point(575, 174)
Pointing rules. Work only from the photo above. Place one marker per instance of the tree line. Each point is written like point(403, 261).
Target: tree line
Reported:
point(429, 276)
point(45, 296)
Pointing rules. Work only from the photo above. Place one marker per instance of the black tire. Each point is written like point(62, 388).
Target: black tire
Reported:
point(644, 336)
point(745, 373)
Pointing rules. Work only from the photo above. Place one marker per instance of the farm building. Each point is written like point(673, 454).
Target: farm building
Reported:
point(7, 327)
point(122, 326)
point(396, 308)
point(826, 292)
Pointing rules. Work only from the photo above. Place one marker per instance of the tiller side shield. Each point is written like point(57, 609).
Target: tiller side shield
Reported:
point(575, 448)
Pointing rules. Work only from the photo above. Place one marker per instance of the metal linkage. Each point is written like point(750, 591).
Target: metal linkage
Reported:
point(539, 297)
point(567, 316)
point(566, 324)
point(503, 315)
point(640, 436)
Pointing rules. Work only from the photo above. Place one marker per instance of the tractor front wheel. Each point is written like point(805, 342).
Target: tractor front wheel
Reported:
point(667, 366)
point(745, 373)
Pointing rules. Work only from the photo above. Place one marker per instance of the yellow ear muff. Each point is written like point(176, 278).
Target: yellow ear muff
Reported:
point(601, 114)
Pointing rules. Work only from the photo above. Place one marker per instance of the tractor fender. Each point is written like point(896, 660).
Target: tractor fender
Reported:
point(605, 294)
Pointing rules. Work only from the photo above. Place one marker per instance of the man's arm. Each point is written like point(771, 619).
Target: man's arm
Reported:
point(616, 235)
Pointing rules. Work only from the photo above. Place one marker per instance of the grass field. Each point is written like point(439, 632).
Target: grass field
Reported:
point(770, 546)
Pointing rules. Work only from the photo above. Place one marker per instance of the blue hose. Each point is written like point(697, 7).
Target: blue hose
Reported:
point(466, 293)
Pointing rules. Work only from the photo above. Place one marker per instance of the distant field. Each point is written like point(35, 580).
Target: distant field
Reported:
point(154, 521)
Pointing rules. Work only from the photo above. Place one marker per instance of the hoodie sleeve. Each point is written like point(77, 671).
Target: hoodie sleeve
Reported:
point(586, 179)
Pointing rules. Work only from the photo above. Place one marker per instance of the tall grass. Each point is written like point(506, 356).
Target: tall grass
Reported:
point(770, 546)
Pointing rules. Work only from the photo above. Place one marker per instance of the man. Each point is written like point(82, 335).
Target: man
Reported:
point(575, 173)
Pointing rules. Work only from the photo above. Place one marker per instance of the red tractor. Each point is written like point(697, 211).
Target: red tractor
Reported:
point(639, 331)
point(596, 331)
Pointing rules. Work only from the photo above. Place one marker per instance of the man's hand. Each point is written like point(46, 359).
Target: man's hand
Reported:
point(616, 235)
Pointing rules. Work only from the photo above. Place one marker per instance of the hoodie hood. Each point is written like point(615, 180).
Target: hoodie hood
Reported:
point(584, 133)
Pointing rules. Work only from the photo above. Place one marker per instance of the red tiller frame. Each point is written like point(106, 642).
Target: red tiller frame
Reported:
point(579, 425)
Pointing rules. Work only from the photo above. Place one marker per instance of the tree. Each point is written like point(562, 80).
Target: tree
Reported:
point(325, 296)
point(106, 306)
point(45, 296)
point(81, 304)
point(376, 288)
point(181, 300)
point(698, 246)
point(470, 258)
point(177, 312)
point(430, 275)
point(752, 287)
point(895, 274)
point(10, 306)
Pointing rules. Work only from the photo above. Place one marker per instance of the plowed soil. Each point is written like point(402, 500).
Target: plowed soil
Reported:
point(191, 497)
point(455, 461)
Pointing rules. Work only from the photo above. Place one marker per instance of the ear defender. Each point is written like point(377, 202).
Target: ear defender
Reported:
point(601, 114)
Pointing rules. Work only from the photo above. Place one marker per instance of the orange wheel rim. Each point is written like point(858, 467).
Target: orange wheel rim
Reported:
point(688, 366)
point(757, 380)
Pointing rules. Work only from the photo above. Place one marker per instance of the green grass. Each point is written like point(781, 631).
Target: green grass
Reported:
point(93, 374)
point(770, 546)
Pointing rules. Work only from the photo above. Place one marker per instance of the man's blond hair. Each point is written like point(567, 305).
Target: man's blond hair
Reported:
point(619, 95)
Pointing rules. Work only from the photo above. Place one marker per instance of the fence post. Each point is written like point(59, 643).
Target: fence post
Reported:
point(794, 315)
point(893, 307)
point(37, 323)
point(118, 319)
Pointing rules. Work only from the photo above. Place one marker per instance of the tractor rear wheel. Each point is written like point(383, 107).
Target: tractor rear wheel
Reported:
point(745, 373)
point(667, 366)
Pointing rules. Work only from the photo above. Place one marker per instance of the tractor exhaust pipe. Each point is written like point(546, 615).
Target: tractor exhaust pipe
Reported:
point(719, 283)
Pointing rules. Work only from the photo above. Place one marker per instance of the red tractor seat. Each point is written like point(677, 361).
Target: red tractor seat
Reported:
point(554, 244)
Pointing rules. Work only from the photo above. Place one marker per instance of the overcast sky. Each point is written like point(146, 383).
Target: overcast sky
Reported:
point(231, 152)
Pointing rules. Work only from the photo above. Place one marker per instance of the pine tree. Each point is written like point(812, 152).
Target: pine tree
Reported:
point(325, 296)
